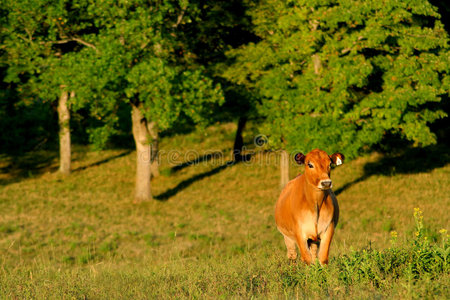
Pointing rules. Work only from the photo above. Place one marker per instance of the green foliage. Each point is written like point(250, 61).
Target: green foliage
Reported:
point(340, 75)
point(108, 53)
point(218, 26)
point(139, 61)
point(41, 43)
point(44, 46)
point(167, 92)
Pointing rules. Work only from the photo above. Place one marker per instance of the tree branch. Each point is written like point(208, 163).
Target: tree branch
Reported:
point(85, 43)
point(180, 17)
point(75, 39)
point(30, 35)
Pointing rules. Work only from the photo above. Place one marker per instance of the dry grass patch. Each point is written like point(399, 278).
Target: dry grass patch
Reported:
point(210, 231)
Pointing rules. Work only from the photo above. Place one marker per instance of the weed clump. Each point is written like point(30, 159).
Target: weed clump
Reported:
point(378, 270)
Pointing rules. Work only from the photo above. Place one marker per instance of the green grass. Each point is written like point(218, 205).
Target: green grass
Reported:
point(210, 231)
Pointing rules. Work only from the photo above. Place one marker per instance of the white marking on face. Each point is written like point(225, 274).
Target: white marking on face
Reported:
point(338, 161)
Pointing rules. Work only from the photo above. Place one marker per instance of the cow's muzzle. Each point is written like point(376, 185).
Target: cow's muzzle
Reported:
point(325, 184)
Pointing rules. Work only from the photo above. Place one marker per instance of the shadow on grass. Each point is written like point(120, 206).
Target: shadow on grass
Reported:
point(32, 164)
point(197, 160)
point(409, 161)
point(19, 167)
point(186, 183)
point(103, 161)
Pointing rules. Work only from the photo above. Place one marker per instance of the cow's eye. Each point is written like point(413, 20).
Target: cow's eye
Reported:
point(310, 165)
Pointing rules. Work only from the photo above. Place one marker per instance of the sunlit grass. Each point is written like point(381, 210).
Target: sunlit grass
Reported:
point(210, 234)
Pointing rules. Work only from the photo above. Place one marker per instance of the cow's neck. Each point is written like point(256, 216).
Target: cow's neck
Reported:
point(315, 197)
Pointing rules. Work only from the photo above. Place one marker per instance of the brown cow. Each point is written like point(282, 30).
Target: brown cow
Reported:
point(307, 211)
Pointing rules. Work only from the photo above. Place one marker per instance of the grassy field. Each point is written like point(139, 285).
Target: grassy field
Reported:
point(210, 232)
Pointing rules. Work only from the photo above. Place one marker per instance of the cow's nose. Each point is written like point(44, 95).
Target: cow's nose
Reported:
point(326, 183)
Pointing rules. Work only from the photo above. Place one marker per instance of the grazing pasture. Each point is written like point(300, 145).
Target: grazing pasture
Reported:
point(210, 231)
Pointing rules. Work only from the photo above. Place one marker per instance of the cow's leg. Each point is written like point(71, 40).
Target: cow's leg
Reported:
point(313, 250)
point(304, 249)
point(325, 244)
point(290, 246)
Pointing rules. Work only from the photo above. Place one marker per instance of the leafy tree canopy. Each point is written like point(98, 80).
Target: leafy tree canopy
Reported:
point(141, 60)
point(340, 75)
point(109, 52)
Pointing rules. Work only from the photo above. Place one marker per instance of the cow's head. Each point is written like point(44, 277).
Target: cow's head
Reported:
point(318, 166)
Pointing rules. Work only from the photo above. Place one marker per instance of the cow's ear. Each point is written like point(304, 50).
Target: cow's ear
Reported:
point(337, 158)
point(300, 158)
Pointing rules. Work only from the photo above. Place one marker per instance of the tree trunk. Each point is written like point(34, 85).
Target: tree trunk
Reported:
point(239, 140)
point(284, 168)
point(64, 133)
point(143, 155)
point(153, 131)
